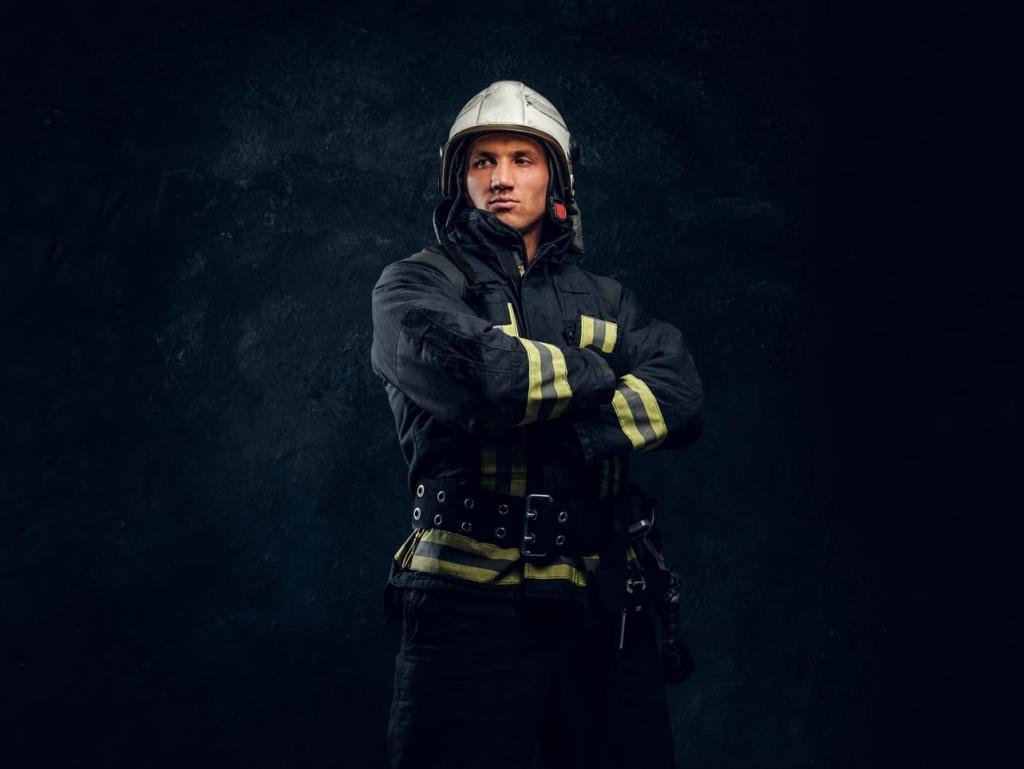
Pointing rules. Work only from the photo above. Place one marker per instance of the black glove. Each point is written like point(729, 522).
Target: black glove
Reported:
point(619, 360)
point(555, 439)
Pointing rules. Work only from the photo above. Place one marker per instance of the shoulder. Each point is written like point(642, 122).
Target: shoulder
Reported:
point(428, 255)
point(431, 264)
point(431, 256)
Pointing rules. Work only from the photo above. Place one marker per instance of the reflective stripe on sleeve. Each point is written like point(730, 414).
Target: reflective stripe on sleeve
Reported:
point(602, 334)
point(548, 392)
point(638, 413)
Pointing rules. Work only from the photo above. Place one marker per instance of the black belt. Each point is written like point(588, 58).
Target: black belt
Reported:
point(540, 525)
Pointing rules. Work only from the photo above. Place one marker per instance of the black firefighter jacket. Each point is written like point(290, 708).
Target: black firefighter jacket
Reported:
point(544, 382)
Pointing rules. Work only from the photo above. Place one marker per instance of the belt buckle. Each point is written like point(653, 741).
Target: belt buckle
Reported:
point(531, 514)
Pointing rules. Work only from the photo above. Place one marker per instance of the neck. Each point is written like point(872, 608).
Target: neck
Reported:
point(532, 242)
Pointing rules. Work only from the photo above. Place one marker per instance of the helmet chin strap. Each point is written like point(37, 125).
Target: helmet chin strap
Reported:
point(559, 207)
point(557, 210)
point(563, 212)
point(455, 189)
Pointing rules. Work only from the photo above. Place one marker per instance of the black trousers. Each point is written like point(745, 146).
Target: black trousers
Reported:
point(486, 685)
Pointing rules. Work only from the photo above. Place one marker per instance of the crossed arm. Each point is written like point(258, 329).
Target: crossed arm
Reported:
point(642, 392)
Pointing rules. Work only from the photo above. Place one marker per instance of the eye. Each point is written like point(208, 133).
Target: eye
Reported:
point(480, 162)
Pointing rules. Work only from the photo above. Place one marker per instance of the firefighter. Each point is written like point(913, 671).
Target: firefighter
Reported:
point(521, 385)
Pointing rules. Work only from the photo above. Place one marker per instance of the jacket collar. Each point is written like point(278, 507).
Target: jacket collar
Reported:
point(475, 233)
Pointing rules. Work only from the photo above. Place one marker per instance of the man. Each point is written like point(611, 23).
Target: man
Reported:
point(521, 384)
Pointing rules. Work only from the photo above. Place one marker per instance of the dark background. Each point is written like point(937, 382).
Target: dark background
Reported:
point(200, 488)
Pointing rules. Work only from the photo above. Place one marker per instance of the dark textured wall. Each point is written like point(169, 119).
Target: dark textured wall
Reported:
point(200, 488)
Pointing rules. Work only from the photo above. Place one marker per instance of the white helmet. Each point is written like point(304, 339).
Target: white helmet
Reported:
point(509, 105)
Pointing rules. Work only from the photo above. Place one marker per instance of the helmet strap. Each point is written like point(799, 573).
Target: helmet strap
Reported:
point(557, 210)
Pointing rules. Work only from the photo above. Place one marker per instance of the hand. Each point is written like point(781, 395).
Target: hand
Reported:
point(555, 439)
point(619, 360)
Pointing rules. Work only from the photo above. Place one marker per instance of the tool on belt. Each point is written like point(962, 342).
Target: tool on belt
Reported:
point(631, 585)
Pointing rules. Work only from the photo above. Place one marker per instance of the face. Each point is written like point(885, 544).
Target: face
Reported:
point(507, 175)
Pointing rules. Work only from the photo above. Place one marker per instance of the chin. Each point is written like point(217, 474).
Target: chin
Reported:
point(511, 221)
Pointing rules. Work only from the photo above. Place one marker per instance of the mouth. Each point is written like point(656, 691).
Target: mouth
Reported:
point(503, 204)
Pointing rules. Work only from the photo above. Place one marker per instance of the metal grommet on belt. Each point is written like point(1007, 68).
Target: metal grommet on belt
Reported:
point(441, 496)
point(416, 514)
point(468, 502)
point(438, 519)
point(560, 540)
point(466, 527)
point(500, 532)
point(420, 490)
point(502, 509)
point(563, 517)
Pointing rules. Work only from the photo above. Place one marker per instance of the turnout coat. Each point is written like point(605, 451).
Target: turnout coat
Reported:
point(508, 380)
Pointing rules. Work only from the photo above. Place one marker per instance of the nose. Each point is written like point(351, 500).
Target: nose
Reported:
point(501, 176)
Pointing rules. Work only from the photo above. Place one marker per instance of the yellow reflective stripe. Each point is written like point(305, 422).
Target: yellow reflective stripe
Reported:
point(462, 571)
point(503, 465)
point(556, 381)
point(558, 570)
point(563, 392)
point(586, 331)
point(470, 545)
point(593, 330)
point(654, 417)
point(518, 484)
point(488, 468)
point(645, 419)
point(511, 328)
point(535, 382)
point(436, 551)
point(625, 416)
point(444, 552)
point(611, 336)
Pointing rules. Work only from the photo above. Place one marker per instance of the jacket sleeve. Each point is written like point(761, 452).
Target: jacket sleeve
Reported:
point(658, 404)
point(465, 371)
